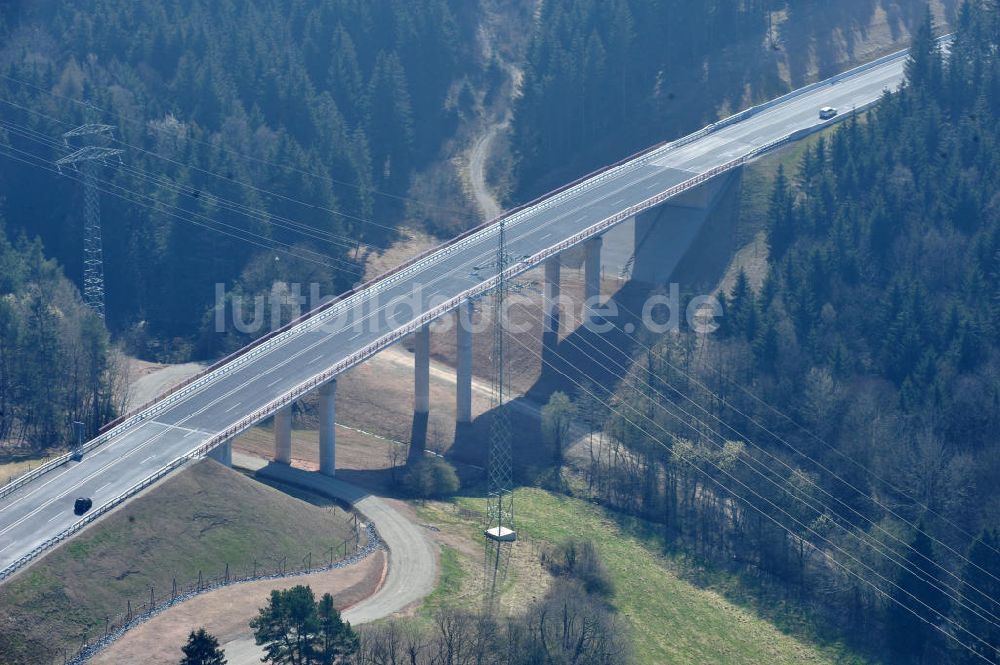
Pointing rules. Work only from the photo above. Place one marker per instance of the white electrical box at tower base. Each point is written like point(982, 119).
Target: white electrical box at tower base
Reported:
point(501, 534)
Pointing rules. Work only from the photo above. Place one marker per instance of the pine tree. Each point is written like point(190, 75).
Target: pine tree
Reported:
point(923, 67)
point(202, 649)
point(981, 584)
point(288, 626)
point(780, 217)
point(337, 640)
point(918, 606)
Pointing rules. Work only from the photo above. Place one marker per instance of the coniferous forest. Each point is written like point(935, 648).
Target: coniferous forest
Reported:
point(301, 122)
point(848, 409)
point(604, 79)
point(834, 445)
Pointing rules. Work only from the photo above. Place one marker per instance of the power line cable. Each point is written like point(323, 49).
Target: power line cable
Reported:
point(327, 178)
point(823, 552)
point(195, 193)
point(801, 453)
point(186, 216)
point(860, 535)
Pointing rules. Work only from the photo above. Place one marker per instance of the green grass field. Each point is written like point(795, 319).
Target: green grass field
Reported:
point(196, 521)
point(671, 620)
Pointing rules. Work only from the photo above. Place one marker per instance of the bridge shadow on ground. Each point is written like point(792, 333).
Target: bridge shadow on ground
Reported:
point(595, 358)
point(586, 360)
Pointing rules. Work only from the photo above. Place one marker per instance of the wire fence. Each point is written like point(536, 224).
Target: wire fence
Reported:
point(351, 550)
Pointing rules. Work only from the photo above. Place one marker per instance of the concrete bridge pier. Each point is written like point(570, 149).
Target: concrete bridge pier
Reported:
point(327, 428)
point(463, 382)
point(422, 370)
point(223, 454)
point(550, 306)
point(591, 274)
point(283, 435)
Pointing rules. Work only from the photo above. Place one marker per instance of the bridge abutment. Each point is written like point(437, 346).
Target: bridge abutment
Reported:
point(649, 247)
point(223, 454)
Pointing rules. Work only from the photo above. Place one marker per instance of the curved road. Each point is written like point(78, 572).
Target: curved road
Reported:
point(412, 569)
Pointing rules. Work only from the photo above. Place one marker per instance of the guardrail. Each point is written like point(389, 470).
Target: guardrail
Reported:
point(366, 291)
point(369, 289)
point(392, 337)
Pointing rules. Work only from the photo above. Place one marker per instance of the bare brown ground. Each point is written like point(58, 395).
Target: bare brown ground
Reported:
point(226, 613)
point(414, 243)
point(375, 398)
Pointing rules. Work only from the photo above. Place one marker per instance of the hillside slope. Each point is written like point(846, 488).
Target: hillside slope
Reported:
point(197, 522)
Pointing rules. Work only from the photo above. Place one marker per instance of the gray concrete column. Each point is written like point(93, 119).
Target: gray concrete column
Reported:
point(223, 454)
point(550, 307)
point(550, 296)
point(592, 269)
point(283, 435)
point(328, 428)
point(422, 370)
point(463, 379)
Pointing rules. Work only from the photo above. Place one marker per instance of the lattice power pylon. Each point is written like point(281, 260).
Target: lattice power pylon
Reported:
point(499, 531)
point(87, 160)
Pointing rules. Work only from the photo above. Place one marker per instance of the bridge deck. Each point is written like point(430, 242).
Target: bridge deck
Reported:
point(251, 387)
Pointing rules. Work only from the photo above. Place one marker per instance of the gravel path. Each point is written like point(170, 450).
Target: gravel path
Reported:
point(412, 568)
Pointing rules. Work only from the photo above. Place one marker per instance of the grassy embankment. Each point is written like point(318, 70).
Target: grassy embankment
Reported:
point(197, 521)
point(671, 620)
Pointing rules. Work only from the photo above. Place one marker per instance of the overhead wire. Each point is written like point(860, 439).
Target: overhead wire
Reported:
point(861, 536)
point(777, 437)
point(195, 193)
point(336, 182)
point(769, 517)
point(185, 216)
point(327, 178)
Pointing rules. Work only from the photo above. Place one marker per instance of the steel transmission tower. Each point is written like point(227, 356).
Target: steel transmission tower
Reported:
point(87, 160)
point(499, 532)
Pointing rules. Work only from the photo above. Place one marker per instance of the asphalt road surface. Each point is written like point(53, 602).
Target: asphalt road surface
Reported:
point(43, 508)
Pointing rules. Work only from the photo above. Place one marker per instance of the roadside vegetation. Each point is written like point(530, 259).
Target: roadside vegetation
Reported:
point(192, 525)
point(666, 616)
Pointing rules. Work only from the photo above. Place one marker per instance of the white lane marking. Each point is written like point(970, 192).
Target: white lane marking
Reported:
point(614, 203)
point(154, 455)
point(8, 545)
point(233, 407)
point(57, 515)
point(36, 490)
point(105, 485)
point(216, 401)
point(356, 335)
point(654, 185)
point(275, 382)
point(547, 235)
point(183, 429)
point(317, 358)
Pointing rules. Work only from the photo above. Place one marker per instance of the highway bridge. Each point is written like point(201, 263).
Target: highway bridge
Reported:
point(263, 380)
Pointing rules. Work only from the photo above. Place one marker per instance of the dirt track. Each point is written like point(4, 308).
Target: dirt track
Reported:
point(226, 614)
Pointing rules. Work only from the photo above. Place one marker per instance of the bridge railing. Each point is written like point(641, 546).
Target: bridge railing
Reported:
point(394, 336)
point(364, 292)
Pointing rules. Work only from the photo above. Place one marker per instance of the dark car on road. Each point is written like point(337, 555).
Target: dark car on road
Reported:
point(82, 505)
